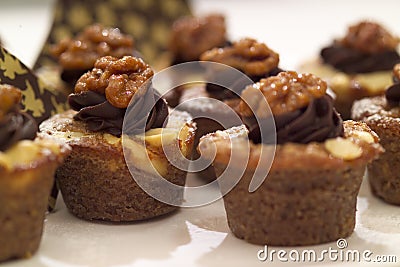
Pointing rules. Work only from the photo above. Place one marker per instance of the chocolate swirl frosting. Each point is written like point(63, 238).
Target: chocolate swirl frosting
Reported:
point(248, 56)
point(145, 112)
point(314, 123)
point(16, 126)
point(367, 47)
point(235, 83)
point(350, 60)
point(392, 93)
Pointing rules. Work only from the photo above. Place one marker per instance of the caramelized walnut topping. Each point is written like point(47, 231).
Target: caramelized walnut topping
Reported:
point(286, 92)
point(10, 97)
point(95, 41)
point(247, 55)
point(14, 124)
point(191, 36)
point(369, 38)
point(118, 79)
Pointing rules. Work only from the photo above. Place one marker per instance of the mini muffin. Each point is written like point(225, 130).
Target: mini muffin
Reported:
point(309, 194)
point(248, 61)
point(358, 65)
point(27, 169)
point(95, 180)
point(382, 114)
point(77, 55)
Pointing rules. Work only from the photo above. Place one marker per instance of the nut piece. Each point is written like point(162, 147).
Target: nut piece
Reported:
point(118, 79)
point(343, 148)
point(10, 97)
point(286, 92)
point(369, 37)
point(396, 72)
point(191, 36)
point(365, 136)
point(95, 41)
point(247, 55)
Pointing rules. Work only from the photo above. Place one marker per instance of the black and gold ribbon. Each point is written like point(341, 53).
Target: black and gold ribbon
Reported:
point(148, 21)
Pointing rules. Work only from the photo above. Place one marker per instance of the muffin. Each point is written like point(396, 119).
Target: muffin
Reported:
point(27, 167)
point(98, 179)
point(245, 62)
point(358, 65)
point(382, 114)
point(77, 55)
point(309, 191)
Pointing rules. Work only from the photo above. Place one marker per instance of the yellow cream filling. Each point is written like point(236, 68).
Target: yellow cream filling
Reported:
point(340, 82)
point(25, 152)
point(147, 159)
point(144, 159)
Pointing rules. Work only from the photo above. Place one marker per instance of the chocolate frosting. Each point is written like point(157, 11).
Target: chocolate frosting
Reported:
point(350, 60)
point(314, 123)
point(16, 126)
point(145, 112)
point(237, 85)
point(393, 94)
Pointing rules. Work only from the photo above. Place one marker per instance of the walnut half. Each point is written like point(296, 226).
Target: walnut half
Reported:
point(93, 42)
point(286, 92)
point(10, 97)
point(370, 38)
point(191, 36)
point(118, 79)
point(248, 55)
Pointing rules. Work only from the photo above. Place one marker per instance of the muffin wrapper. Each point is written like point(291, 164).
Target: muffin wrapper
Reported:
point(383, 173)
point(290, 208)
point(23, 200)
point(93, 190)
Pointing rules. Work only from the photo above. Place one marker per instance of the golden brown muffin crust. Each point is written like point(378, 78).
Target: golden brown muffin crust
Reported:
point(293, 155)
point(377, 111)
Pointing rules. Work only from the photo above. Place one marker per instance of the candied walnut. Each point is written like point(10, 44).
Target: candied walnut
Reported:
point(247, 55)
point(93, 42)
point(396, 72)
point(191, 36)
point(286, 92)
point(370, 38)
point(118, 79)
point(10, 97)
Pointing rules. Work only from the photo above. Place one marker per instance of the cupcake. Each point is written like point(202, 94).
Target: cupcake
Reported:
point(77, 55)
point(382, 114)
point(308, 196)
point(248, 61)
point(358, 65)
point(98, 179)
point(27, 167)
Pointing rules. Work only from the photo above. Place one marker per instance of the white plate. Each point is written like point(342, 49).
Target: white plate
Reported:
point(196, 237)
point(200, 236)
